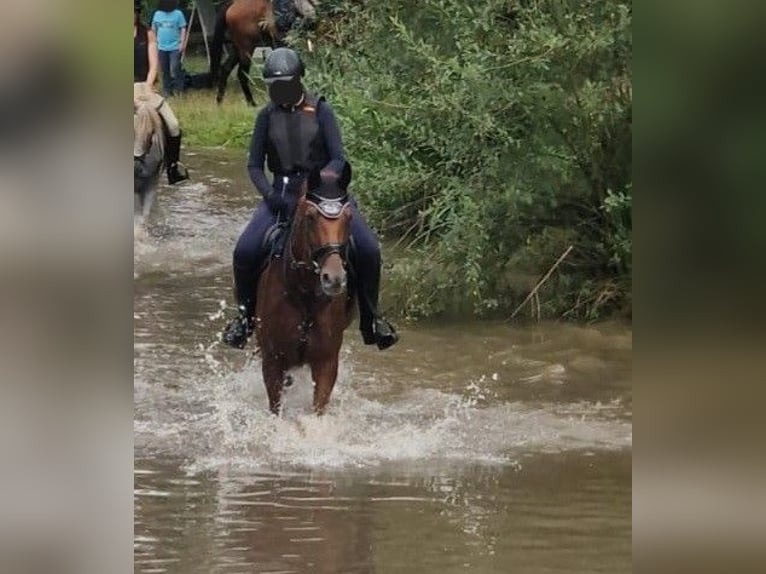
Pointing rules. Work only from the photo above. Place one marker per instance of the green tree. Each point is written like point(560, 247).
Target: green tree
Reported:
point(486, 138)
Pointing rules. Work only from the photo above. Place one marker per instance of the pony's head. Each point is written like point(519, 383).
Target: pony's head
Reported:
point(324, 213)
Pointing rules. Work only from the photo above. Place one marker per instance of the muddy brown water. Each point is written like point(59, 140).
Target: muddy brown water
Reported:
point(478, 447)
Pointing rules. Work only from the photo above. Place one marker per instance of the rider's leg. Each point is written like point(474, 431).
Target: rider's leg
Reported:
point(248, 261)
point(175, 170)
point(248, 256)
point(375, 329)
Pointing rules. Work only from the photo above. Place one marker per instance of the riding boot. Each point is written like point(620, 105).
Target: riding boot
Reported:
point(175, 170)
point(239, 329)
point(375, 329)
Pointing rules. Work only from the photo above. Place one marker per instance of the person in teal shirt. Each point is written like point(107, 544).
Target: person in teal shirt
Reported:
point(169, 24)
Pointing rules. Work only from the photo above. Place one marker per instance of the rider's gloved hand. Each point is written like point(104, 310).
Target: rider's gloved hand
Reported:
point(276, 202)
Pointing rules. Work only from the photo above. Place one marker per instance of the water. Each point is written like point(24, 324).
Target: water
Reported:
point(480, 447)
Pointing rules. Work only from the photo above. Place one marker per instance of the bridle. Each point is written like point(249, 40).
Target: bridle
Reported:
point(329, 209)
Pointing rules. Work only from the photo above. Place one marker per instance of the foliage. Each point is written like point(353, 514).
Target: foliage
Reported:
point(486, 137)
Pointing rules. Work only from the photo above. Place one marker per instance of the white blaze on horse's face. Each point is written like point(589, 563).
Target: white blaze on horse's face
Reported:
point(326, 232)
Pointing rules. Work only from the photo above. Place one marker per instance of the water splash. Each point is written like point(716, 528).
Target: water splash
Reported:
point(236, 430)
point(197, 402)
point(182, 236)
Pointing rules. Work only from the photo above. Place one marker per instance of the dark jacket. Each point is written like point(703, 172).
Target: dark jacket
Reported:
point(293, 142)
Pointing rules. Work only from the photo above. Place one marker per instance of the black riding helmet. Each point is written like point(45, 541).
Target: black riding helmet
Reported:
point(282, 64)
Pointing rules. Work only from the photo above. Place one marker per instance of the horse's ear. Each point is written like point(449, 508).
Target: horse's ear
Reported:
point(314, 180)
point(345, 177)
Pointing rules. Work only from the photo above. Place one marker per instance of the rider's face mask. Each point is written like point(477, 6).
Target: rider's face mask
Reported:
point(286, 92)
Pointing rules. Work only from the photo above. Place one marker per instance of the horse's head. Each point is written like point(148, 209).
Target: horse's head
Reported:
point(325, 215)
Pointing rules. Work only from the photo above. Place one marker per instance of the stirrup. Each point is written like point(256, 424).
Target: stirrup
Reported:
point(385, 334)
point(380, 333)
point(237, 332)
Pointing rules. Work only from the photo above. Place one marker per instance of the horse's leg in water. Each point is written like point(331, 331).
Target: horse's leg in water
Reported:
point(324, 373)
point(147, 200)
point(243, 73)
point(143, 197)
point(138, 203)
point(274, 378)
point(224, 73)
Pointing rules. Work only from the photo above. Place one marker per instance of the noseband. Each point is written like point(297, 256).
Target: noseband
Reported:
point(322, 252)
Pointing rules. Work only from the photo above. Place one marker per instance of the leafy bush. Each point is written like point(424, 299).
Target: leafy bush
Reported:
point(486, 138)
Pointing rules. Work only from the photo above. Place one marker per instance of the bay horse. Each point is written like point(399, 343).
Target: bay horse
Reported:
point(148, 151)
point(250, 24)
point(304, 303)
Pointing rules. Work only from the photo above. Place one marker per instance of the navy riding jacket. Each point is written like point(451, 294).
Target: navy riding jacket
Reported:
point(328, 152)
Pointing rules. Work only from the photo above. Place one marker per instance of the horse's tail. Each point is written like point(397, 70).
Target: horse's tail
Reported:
point(216, 46)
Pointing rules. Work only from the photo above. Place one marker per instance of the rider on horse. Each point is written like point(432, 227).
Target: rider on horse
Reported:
point(145, 64)
point(298, 133)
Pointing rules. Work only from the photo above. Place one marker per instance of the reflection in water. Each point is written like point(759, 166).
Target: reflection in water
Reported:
point(499, 449)
point(557, 514)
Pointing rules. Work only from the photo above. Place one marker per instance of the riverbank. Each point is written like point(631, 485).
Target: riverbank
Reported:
point(207, 124)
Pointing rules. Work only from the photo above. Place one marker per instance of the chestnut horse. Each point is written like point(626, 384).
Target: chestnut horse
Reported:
point(250, 24)
point(303, 304)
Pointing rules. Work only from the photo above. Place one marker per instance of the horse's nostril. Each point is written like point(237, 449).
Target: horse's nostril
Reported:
point(325, 277)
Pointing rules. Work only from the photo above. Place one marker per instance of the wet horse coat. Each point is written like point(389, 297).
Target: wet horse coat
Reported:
point(303, 303)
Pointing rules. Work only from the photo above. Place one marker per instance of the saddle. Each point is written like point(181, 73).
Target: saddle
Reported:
point(275, 239)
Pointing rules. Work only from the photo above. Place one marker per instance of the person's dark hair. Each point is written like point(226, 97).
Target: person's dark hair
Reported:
point(167, 5)
point(137, 8)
